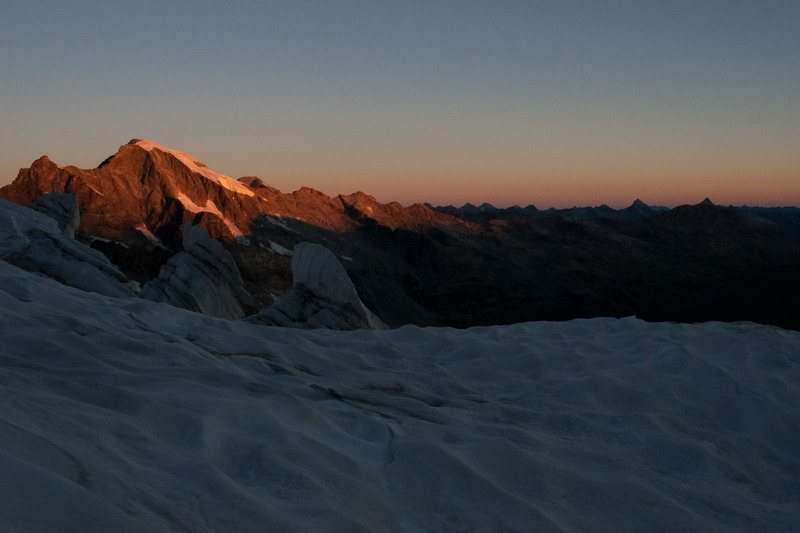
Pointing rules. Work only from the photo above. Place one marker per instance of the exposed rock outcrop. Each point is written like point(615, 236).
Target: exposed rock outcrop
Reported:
point(204, 278)
point(36, 242)
point(323, 296)
point(63, 207)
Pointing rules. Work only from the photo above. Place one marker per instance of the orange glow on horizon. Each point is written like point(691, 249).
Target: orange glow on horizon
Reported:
point(510, 177)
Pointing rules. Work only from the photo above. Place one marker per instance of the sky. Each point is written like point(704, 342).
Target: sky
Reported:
point(551, 103)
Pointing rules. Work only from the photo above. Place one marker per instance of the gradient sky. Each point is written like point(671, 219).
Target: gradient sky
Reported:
point(555, 103)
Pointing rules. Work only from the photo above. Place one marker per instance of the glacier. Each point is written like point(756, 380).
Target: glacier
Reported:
point(120, 413)
point(131, 415)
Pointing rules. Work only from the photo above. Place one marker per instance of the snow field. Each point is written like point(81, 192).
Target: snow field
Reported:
point(128, 415)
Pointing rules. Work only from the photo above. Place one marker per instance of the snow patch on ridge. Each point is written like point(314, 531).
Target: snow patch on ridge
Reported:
point(93, 189)
point(189, 204)
point(212, 208)
point(199, 168)
point(143, 229)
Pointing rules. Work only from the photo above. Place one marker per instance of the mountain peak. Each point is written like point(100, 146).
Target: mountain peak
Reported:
point(707, 201)
point(149, 145)
point(194, 165)
point(148, 189)
point(44, 161)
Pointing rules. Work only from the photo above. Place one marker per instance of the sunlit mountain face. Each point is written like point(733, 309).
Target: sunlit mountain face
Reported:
point(146, 190)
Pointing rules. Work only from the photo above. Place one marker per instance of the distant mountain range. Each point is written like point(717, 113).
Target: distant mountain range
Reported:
point(430, 265)
point(638, 210)
point(788, 218)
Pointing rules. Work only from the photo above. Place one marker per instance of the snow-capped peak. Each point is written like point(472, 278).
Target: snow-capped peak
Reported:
point(196, 166)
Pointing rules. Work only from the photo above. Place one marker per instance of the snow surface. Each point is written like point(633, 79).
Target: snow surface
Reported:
point(36, 242)
point(317, 268)
point(120, 414)
point(62, 207)
point(196, 166)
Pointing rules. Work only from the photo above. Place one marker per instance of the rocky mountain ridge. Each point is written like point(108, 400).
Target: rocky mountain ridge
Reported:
point(146, 191)
point(417, 265)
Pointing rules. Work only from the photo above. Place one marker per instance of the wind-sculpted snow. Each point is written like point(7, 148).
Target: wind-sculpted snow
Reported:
point(204, 277)
point(322, 296)
point(35, 242)
point(61, 206)
point(128, 415)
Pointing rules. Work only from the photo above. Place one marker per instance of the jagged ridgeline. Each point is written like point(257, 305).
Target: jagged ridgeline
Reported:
point(473, 265)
